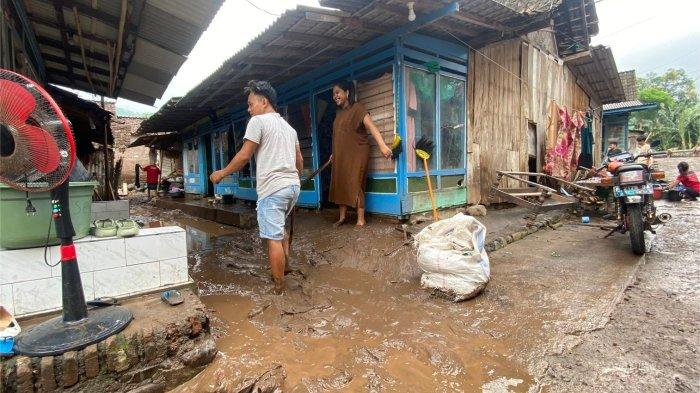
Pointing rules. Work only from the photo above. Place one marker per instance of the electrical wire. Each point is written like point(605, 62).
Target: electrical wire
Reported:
point(261, 9)
point(46, 245)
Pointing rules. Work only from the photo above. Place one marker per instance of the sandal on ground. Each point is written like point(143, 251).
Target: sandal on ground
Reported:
point(104, 228)
point(127, 228)
point(102, 302)
point(173, 297)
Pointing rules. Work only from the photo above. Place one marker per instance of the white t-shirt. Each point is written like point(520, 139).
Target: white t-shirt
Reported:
point(275, 159)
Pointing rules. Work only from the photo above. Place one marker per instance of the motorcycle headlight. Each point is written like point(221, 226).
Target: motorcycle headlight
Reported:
point(632, 177)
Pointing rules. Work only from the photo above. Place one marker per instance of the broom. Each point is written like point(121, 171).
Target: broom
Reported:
point(424, 148)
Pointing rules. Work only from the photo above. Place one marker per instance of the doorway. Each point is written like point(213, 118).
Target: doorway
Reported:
point(325, 115)
point(208, 164)
point(532, 150)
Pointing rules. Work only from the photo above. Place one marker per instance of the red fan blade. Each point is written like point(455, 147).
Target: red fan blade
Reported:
point(42, 148)
point(19, 105)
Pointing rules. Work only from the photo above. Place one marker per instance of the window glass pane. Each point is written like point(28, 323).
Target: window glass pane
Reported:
point(299, 117)
point(420, 115)
point(452, 123)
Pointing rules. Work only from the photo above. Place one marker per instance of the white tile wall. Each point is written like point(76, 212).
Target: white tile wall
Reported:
point(6, 297)
point(45, 294)
point(173, 271)
point(146, 248)
point(155, 258)
point(23, 265)
point(98, 254)
point(127, 280)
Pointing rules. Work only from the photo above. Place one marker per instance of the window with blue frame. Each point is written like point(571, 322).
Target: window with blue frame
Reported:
point(247, 173)
point(452, 122)
point(298, 115)
point(216, 149)
point(420, 113)
point(436, 109)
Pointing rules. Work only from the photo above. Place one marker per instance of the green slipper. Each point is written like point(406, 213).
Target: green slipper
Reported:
point(104, 228)
point(127, 228)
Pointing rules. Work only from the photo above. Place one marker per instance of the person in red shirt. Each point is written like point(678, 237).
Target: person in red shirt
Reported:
point(152, 173)
point(689, 180)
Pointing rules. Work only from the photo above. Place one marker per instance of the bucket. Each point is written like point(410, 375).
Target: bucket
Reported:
point(674, 196)
point(19, 230)
point(658, 192)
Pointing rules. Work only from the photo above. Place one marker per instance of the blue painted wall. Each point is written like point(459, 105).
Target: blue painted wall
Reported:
point(371, 60)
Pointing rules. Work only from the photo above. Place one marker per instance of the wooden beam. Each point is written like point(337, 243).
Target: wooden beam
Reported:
point(278, 62)
point(64, 39)
point(50, 23)
point(577, 56)
point(347, 21)
point(61, 60)
point(87, 10)
point(480, 21)
point(73, 49)
point(307, 38)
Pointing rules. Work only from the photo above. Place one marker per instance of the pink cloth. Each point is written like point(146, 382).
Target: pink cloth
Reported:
point(562, 160)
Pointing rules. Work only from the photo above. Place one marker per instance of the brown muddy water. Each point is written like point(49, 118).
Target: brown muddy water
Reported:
point(355, 319)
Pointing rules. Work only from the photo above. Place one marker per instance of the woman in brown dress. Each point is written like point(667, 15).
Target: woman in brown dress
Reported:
point(350, 155)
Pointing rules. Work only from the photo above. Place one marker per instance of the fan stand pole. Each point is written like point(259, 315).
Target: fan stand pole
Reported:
point(76, 328)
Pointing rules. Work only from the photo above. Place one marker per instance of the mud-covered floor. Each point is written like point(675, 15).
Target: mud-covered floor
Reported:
point(355, 319)
point(652, 340)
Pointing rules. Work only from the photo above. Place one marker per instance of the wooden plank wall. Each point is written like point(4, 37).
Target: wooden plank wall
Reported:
point(378, 97)
point(504, 97)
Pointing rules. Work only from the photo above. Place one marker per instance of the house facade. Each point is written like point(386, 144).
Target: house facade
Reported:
point(475, 77)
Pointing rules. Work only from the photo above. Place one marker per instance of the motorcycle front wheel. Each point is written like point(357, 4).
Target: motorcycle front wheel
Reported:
point(635, 221)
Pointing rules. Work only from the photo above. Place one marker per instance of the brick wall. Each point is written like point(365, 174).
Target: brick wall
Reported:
point(153, 354)
point(124, 130)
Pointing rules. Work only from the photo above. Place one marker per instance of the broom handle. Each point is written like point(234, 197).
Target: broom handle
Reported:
point(430, 190)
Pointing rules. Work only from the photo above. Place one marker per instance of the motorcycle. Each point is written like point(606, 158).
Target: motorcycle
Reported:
point(633, 192)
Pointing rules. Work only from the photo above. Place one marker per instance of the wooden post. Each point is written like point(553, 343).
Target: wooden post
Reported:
point(160, 166)
point(108, 188)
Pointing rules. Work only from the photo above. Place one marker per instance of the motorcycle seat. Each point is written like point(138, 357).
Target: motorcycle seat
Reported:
point(631, 167)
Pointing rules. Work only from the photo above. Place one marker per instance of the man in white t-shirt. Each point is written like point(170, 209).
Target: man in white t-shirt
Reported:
point(278, 162)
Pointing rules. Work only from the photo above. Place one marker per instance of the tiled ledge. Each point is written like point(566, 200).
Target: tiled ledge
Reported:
point(112, 266)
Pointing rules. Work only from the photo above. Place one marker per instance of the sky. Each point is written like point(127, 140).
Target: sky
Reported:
point(651, 35)
point(637, 30)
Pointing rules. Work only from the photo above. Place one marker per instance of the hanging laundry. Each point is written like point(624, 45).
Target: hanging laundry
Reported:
point(563, 144)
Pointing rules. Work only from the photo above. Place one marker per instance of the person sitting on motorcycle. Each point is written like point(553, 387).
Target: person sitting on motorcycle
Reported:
point(689, 180)
point(613, 148)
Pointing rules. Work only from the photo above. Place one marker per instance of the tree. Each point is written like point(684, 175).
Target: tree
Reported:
point(676, 122)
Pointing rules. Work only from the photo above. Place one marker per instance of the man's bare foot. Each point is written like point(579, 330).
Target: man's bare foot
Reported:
point(360, 223)
point(339, 222)
point(279, 288)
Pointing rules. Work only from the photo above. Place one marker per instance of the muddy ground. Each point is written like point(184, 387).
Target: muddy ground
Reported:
point(355, 319)
point(651, 342)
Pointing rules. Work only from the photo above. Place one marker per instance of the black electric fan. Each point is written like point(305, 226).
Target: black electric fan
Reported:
point(37, 152)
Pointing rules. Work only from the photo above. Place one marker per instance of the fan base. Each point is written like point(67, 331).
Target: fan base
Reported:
point(55, 337)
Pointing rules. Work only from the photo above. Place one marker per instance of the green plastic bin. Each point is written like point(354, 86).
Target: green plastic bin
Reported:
point(19, 230)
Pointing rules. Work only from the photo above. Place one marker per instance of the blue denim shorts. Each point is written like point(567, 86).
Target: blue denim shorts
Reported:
point(273, 211)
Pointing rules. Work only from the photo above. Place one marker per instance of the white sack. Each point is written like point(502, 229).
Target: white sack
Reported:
point(452, 256)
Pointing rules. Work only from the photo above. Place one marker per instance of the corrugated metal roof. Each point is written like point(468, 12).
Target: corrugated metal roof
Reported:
point(622, 105)
point(304, 37)
point(599, 73)
point(631, 106)
point(159, 35)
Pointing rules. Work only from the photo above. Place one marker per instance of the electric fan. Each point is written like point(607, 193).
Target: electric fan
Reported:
point(37, 152)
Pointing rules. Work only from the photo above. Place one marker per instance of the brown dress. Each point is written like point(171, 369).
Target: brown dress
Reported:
point(350, 157)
